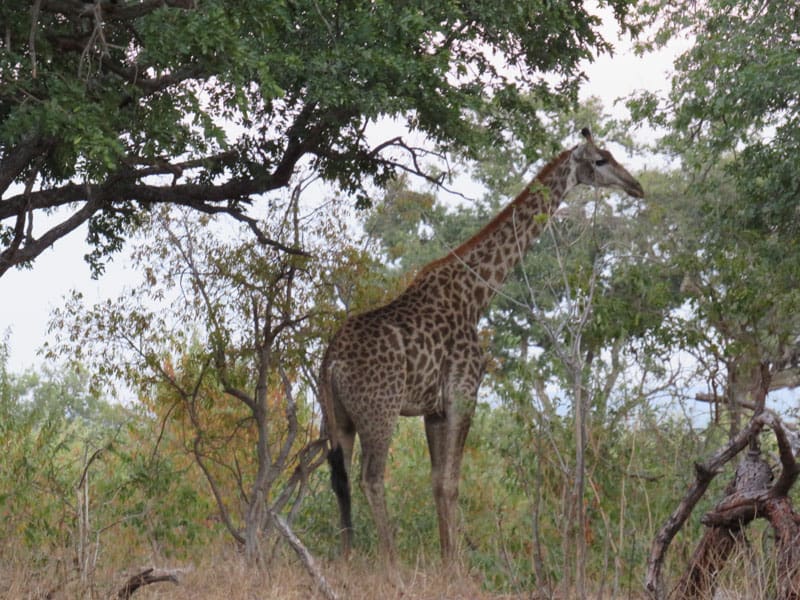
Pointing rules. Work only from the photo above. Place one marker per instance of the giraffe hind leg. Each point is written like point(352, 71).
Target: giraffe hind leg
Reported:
point(373, 464)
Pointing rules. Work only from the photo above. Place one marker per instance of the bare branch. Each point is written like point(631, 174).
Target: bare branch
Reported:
point(243, 397)
point(291, 418)
point(309, 459)
point(416, 169)
point(263, 239)
point(95, 455)
point(212, 482)
point(721, 400)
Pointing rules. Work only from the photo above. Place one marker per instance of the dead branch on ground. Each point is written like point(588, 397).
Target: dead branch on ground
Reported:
point(144, 578)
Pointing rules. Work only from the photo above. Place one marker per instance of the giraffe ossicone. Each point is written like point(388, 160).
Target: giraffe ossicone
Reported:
point(419, 355)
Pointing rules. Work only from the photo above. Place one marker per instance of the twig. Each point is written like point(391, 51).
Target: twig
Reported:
point(305, 556)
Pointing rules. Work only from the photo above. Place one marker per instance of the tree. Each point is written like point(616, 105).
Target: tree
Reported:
point(733, 120)
point(217, 340)
point(111, 108)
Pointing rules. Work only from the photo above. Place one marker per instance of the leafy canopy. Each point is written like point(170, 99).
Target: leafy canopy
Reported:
point(111, 107)
point(733, 118)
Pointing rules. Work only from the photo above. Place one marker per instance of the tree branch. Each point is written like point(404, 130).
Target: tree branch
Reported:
point(790, 469)
point(212, 482)
point(15, 255)
point(113, 10)
point(196, 196)
point(16, 159)
point(150, 85)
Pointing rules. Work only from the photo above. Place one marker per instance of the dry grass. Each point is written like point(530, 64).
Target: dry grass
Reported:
point(231, 579)
point(223, 574)
point(226, 576)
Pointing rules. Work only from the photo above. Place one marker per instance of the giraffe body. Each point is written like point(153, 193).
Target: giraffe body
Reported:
point(420, 355)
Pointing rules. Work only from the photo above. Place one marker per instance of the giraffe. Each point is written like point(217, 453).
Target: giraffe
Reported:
point(419, 355)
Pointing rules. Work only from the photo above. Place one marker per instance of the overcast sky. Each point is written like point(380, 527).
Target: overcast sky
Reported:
point(27, 297)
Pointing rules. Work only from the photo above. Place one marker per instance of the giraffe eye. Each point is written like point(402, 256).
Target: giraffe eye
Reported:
point(601, 162)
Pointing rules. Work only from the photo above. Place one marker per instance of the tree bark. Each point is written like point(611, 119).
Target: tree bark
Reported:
point(704, 474)
point(725, 528)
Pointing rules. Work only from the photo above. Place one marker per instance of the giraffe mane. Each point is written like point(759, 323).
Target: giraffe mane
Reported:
point(497, 221)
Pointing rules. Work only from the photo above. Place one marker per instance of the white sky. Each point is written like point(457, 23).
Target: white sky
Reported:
point(28, 297)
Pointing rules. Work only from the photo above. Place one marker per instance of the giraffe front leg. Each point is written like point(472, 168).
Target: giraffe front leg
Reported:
point(446, 437)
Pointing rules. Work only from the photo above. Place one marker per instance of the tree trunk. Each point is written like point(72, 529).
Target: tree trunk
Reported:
point(752, 478)
point(580, 485)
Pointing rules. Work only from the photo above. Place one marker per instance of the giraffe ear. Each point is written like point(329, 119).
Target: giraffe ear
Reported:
point(581, 150)
point(587, 134)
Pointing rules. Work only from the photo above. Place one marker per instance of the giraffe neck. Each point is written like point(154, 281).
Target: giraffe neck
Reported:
point(481, 265)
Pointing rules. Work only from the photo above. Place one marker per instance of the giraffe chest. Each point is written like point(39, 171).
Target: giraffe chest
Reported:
point(404, 356)
point(427, 351)
point(439, 350)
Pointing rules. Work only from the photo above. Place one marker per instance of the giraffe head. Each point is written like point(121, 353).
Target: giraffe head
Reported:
point(597, 167)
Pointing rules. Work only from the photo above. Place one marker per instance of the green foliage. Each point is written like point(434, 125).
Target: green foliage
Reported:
point(412, 228)
point(707, 263)
point(79, 477)
point(226, 100)
point(514, 484)
point(732, 117)
point(218, 339)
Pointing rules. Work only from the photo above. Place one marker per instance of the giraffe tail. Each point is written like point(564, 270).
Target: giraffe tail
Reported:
point(339, 479)
point(341, 487)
